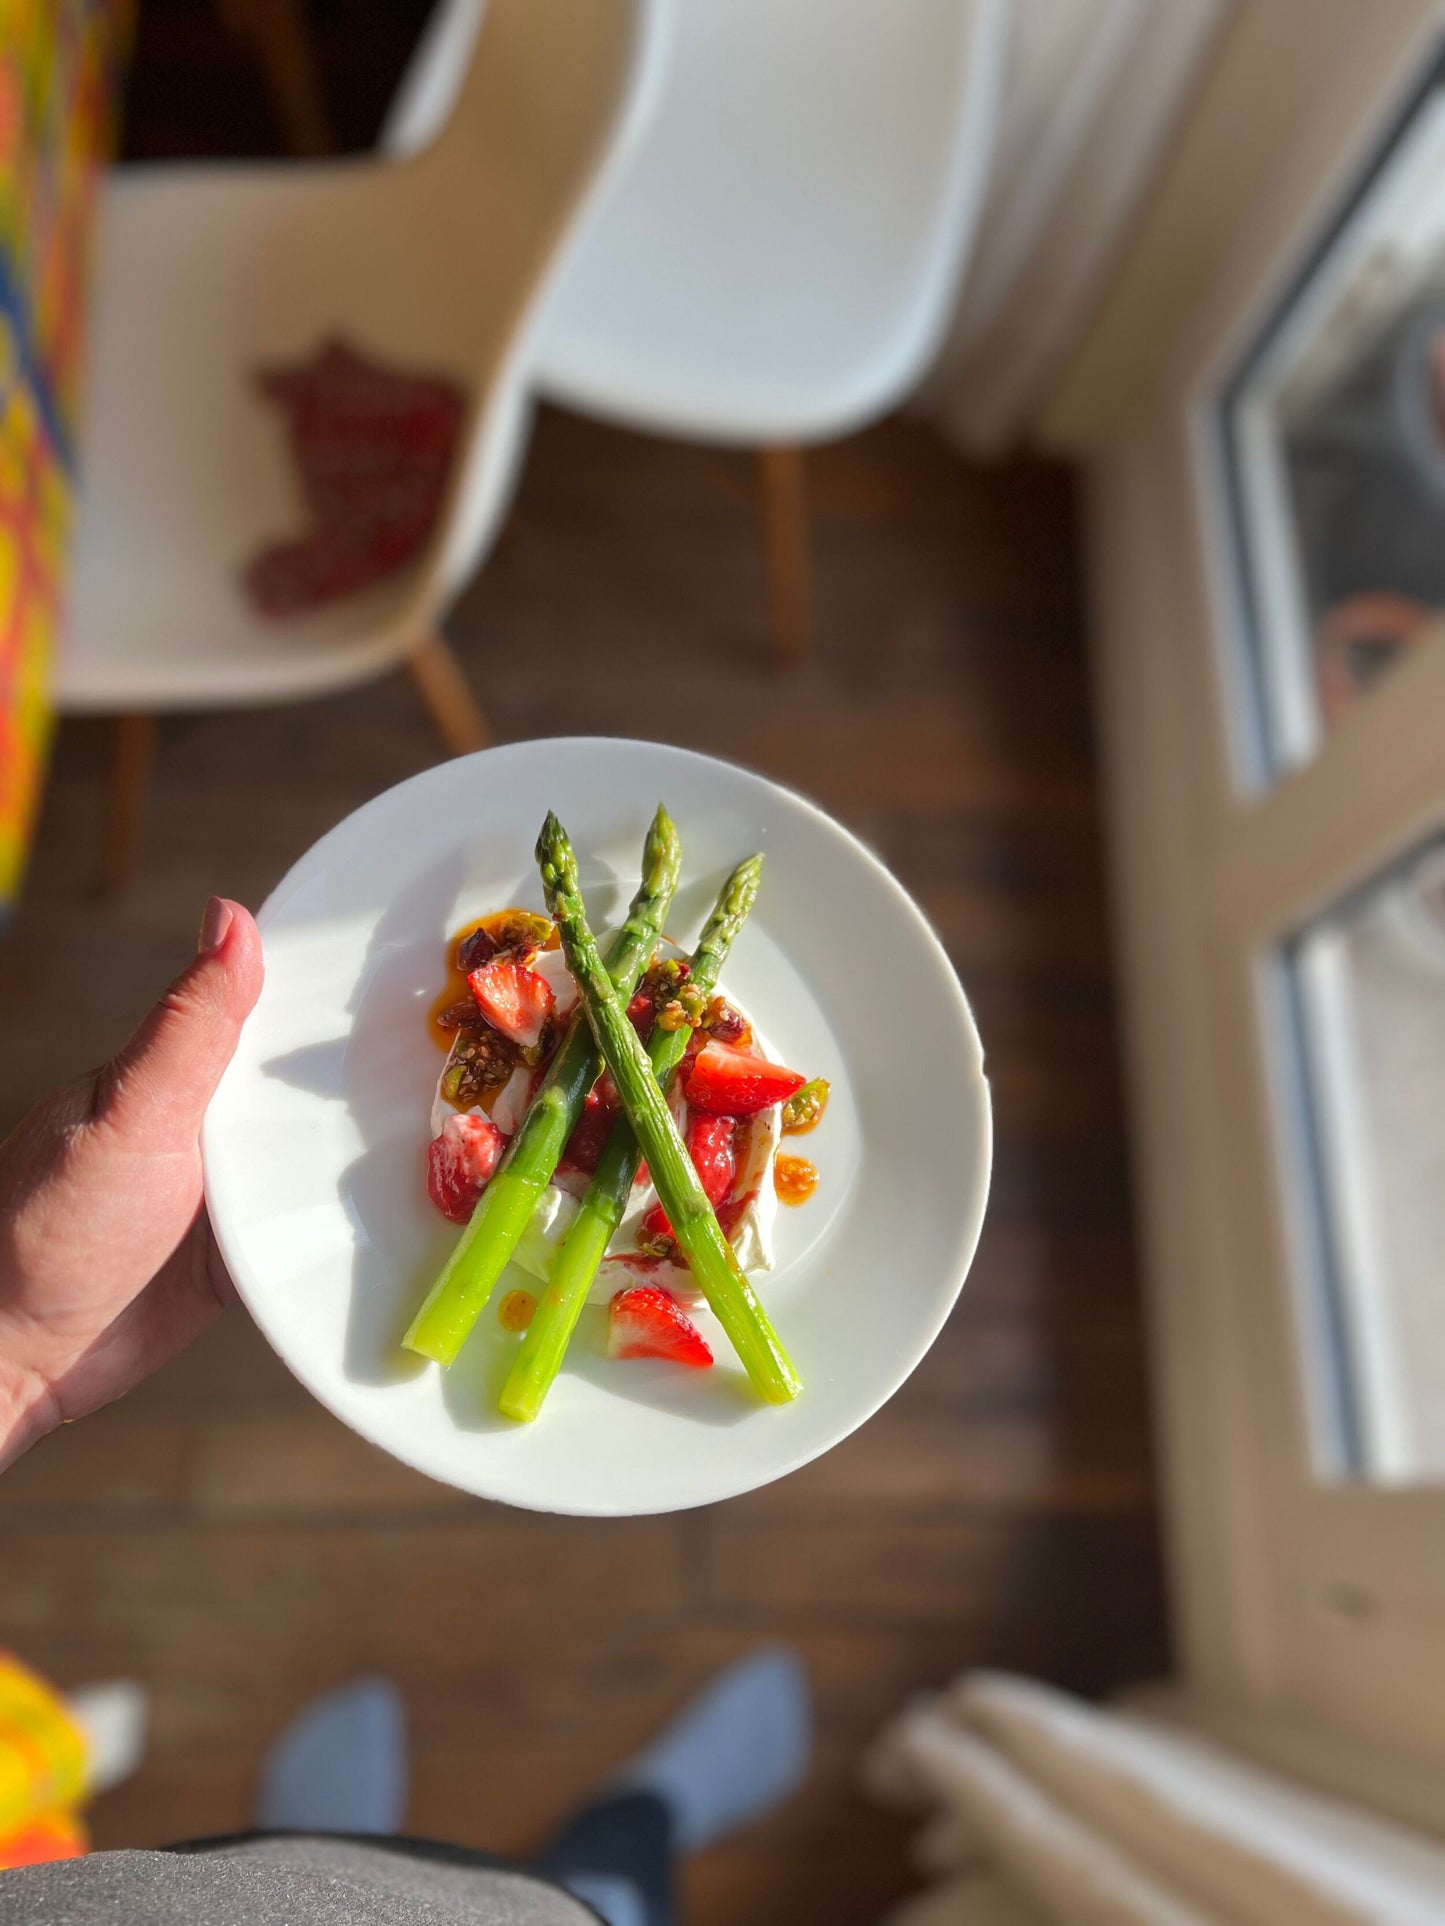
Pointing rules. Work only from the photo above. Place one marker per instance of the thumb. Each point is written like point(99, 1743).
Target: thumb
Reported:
point(155, 1092)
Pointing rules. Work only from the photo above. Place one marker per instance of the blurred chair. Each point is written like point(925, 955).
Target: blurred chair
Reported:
point(780, 257)
point(206, 274)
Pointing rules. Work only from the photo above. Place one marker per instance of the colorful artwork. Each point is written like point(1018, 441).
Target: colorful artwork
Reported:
point(59, 62)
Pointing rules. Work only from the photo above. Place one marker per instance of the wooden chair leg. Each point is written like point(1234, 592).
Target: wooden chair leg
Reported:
point(132, 764)
point(447, 696)
point(278, 36)
point(785, 532)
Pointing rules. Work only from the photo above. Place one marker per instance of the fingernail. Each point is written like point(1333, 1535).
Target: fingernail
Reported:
point(214, 925)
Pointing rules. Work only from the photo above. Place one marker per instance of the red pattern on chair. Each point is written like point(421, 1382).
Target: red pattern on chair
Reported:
point(374, 450)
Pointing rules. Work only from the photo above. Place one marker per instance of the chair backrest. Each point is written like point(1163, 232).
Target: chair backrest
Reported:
point(423, 101)
point(796, 218)
point(810, 182)
point(537, 120)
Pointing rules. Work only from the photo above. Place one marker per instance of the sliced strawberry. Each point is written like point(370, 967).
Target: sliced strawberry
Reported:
point(642, 1014)
point(515, 1000)
point(594, 1127)
point(459, 1162)
point(654, 1230)
point(646, 1322)
point(732, 1083)
point(710, 1145)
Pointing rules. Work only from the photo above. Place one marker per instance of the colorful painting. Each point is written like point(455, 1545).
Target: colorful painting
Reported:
point(59, 64)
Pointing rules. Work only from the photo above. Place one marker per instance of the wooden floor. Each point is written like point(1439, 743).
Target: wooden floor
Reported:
point(221, 1538)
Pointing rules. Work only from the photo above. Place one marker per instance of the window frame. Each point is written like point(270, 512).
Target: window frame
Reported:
point(1282, 724)
point(1293, 1589)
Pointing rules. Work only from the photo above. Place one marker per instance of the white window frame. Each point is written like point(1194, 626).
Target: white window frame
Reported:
point(1287, 685)
point(1296, 1592)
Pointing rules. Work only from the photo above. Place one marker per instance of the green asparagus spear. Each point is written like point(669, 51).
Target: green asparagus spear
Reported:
point(710, 1256)
point(593, 1228)
point(455, 1301)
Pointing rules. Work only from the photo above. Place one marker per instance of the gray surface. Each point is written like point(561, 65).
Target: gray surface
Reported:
point(264, 1882)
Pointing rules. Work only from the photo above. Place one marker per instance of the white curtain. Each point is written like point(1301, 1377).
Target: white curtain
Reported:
point(1094, 93)
point(1050, 1810)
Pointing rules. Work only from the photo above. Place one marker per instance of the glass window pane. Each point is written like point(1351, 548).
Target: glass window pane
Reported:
point(1334, 433)
point(1369, 994)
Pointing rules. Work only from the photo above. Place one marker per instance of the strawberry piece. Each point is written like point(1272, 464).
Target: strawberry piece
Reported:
point(594, 1127)
point(732, 1083)
point(710, 1145)
point(515, 1000)
point(459, 1162)
point(645, 1322)
point(655, 1226)
point(642, 1014)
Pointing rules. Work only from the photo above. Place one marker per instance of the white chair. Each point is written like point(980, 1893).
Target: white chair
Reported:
point(779, 258)
point(204, 274)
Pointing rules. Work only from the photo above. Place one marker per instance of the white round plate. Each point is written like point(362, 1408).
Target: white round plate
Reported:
point(315, 1144)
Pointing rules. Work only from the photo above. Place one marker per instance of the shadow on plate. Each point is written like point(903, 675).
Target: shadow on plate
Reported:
point(473, 1385)
point(721, 1396)
point(317, 1068)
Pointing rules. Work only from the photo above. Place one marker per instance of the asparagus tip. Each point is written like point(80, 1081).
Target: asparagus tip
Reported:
point(554, 855)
